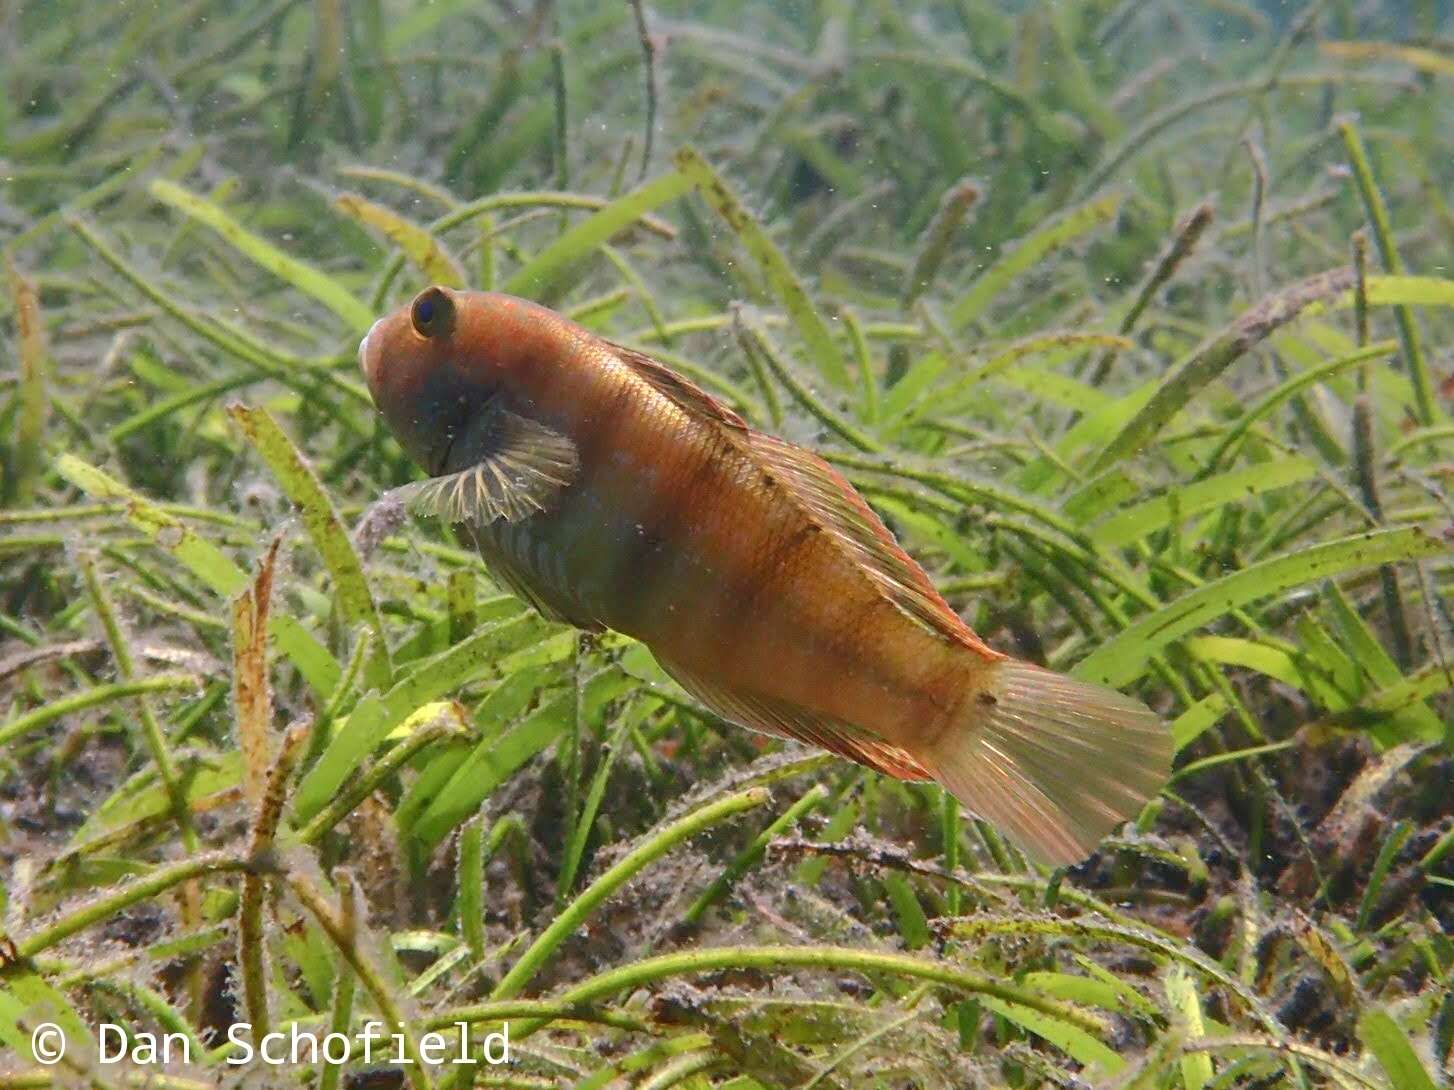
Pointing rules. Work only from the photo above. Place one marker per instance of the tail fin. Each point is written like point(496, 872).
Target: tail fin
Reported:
point(1054, 762)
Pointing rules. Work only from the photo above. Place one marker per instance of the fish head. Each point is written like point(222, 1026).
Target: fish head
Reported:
point(423, 369)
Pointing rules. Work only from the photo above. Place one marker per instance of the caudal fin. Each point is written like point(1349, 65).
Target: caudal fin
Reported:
point(1054, 762)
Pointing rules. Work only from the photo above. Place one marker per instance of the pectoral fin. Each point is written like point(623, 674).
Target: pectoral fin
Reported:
point(521, 467)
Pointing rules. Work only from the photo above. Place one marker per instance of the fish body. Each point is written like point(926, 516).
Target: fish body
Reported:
point(612, 493)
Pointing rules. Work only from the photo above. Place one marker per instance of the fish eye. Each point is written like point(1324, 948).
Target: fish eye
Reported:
point(432, 313)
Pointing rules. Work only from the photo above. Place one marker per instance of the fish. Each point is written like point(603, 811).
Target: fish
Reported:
point(612, 493)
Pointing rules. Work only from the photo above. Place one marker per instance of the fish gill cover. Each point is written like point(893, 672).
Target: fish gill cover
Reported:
point(1131, 320)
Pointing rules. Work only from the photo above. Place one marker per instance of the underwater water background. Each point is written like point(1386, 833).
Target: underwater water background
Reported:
point(1133, 321)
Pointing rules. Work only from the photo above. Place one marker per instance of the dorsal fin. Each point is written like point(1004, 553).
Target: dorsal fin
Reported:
point(843, 512)
point(682, 392)
point(828, 497)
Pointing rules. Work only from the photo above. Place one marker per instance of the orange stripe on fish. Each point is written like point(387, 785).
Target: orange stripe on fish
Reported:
point(611, 492)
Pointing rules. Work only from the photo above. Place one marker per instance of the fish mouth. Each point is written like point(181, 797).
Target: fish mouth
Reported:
point(438, 468)
point(457, 429)
point(363, 353)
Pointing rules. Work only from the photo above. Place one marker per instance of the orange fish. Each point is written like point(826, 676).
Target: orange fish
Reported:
point(610, 492)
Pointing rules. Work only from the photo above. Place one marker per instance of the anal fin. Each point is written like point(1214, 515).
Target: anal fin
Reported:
point(784, 720)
